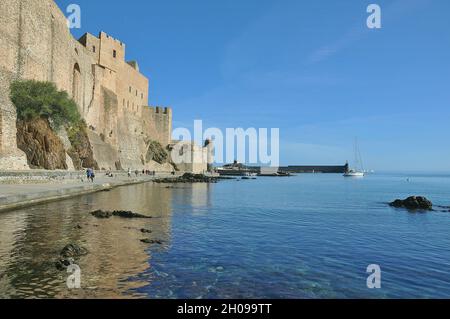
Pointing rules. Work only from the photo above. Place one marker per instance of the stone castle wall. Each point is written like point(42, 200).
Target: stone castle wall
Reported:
point(112, 95)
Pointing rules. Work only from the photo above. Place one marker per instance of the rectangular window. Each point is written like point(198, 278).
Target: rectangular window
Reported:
point(115, 53)
point(136, 92)
point(130, 89)
point(93, 49)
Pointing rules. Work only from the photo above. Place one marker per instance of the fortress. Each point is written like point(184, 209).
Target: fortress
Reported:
point(111, 93)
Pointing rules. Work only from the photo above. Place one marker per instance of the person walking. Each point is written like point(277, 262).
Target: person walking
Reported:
point(88, 174)
point(92, 175)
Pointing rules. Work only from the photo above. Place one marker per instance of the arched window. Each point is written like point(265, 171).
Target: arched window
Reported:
point(76, 84)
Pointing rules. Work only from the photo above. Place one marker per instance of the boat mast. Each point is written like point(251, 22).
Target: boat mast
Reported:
point(358, 157)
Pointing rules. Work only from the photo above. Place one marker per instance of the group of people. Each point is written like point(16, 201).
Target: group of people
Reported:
point(90, 173)
point(144, 172)
point(149, 173)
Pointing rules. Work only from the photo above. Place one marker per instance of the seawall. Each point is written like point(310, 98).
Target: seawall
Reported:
point(20, 190)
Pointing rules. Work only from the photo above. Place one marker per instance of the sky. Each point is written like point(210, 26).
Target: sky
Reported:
point(313, 69)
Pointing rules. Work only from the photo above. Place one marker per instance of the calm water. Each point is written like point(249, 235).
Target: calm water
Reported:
point(310, 236)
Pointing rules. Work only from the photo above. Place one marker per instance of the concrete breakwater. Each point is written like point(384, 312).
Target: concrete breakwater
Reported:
point(23, 189)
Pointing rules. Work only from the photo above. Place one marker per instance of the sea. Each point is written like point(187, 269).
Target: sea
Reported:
point(310, 236)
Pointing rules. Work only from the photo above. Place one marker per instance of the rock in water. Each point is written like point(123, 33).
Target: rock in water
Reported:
point(188, 178)
point(62, 264)
point(68, 256)
point(101, 214)
point(413, 203)
point(118, 213)
point(127, 214)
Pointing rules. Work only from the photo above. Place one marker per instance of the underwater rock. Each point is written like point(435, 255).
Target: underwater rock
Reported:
point(68, 256)
point(73, 251)
point(151, 241)
point(62, 264)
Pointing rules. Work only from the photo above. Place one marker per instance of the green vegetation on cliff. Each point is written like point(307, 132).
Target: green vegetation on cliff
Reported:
point(81, 150)
point(42, 108)
point(156, 152)
point(35, 99)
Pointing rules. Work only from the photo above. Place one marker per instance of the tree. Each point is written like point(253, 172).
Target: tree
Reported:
point(35, 99)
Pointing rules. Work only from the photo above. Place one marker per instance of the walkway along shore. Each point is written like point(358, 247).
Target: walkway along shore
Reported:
point(41, 187)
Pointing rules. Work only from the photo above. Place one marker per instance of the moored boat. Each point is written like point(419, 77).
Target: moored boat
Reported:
point(359, 171)
point(352, 173)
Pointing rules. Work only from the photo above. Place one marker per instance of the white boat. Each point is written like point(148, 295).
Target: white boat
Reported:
point(352, 173)
point(359, 170)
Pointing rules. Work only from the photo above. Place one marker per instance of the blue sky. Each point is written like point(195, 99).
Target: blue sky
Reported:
point(311, 68)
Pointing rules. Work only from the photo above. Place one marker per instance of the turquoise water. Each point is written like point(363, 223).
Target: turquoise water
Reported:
point(308, 236)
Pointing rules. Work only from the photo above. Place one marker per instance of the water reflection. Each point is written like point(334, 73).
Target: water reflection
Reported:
point(196, 196)
point(31, 239)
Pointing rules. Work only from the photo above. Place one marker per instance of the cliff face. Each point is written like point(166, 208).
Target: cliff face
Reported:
point(41, 145)
point(45, 149)
point(156, 153)
point(81, 150)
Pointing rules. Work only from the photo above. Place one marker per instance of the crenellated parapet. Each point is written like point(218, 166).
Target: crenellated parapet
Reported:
point(158, 122)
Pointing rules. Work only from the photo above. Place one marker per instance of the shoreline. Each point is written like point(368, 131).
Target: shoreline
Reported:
point(15, 195)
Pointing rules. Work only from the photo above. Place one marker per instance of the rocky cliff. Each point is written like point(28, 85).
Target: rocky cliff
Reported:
point(42, 146)
point(45, 149)
point(81, 151)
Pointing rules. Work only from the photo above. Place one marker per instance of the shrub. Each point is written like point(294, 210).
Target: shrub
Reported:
point(35, 99)
point(76, 133)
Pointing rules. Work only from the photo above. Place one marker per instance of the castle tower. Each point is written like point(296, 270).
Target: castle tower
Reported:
point(209, 145)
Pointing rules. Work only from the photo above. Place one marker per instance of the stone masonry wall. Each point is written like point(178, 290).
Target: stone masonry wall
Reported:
point(112, 95)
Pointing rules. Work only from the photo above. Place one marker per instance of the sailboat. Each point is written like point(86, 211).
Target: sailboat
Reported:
point(358, 171)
